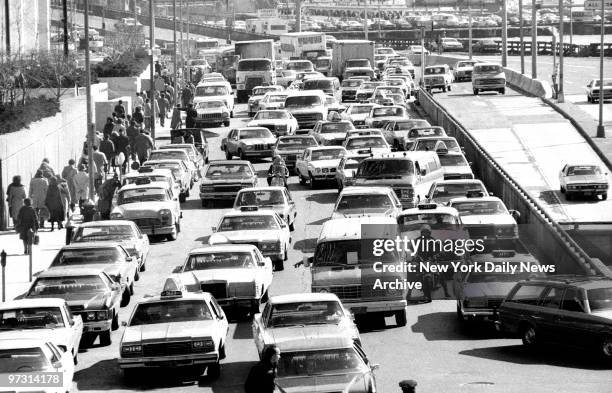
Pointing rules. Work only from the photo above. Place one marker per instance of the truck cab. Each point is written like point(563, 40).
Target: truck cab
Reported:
point(255, 67)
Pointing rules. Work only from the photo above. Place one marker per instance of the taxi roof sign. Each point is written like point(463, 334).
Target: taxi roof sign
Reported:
point(427, 206)
point(249, 208)
point(503, 253)
point(172, 289)
point(474, 194)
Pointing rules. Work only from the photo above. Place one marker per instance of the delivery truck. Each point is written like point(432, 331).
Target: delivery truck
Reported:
point(255, 66)
point(305, 45)
point(352, 55)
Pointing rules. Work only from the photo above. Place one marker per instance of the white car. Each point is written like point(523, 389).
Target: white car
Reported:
point(463, 69)
point(264, 228)
point(366, 201)
point(444, 190)
point(48, 318)
point(318, 164)
point(285, 77)
point(178, 327)
point(258, 93)
point(237, 275)
point(273, 100)
point(593, 89)
point(358, 113)
point(123, 232)
point(276, 198)
point(316, 312)
point(455, 166)
point(147, 173)
point(367, 144)
point(585, 180)
point(37, 356)
point(212, 112)
point(381, 115)
point(177, 154)
point(278, 121)
point(214, 91)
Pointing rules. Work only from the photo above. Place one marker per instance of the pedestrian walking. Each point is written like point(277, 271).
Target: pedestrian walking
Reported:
point(27, 225)
point(46, 169)
point(139, 101)
point(158, 67)
point(108, 126)
point(106, 193)
point(107, 147)
point(143, 144)
point(186, 96)
point(120, 110)
point(176, 121)
point(164, 105)
point(132, 132)
point(262, 375)
point(138, 116)
point(81, 185)
point(170, 91)
point(68, 174)
point(119, 125)
point(65, 195)
point(122, 151)
point(147, 114)
point(55, 204)
point(99, 159)
point(38, 194)
point(15, 194)
point(192, 114)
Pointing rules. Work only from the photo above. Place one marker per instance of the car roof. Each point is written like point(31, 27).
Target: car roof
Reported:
point(586, 282)
point(308, 342)
point(222, 247)
point(266, 188)
point(302, 136)
point(169, 150)
point(478, 199)
point(259, 212)
point(90, 245)
point(164, 161)
point(31, 303)
point(439, 209)
point(153, 184)
point(324, 148)
point(350, 228)
point(459, 181)
point(155, 171)
point(18, 343)
point(303, 297)
point(105, 223)
point(184, 296)
point(71, 271)
point(352, 190)
point(252, 128)
point(225, 162)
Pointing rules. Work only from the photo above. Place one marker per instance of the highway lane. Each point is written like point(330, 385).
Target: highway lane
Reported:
point(431, 348)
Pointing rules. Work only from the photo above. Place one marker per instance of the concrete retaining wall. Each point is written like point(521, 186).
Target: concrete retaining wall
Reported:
point(104, 108)
point(58, 138)
point(554, 246)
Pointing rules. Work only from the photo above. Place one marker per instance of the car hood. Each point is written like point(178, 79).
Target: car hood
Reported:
point(335, 382)
point(487, 289)
point(58, 336)
point(325, 163)
point(290, 151)
point(229, 275)
point(268, 121)
point(210, 110)
point(229, 180)
point(327, 276)
point(333, 135)
point(141, 209)
point(384, 118)
point(496, 219)
point(210, 98)
point(370, 212)
point(368, 150)
point(457, 169)
point(243, 236)
point(467, 68)
point(359, 116)
point(167, 331)
point(258, 141)
point(91, 301)
point(606, 314)
point(586, 179)
point(304, 332)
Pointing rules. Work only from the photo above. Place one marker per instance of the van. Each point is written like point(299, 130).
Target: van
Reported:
point(329, 86)
point(345, 264)
point(409, 174)
point(488, 77)
point(308, 107)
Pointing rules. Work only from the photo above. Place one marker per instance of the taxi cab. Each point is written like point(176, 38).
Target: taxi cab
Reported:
point(379, 116)
point(487, 218)
point(175, 329)
point(237, 275)
point(367, 201)
point(278, 121)
point(177, 154)
point(151, 206)
point(367, 144)
point(262, 228)
point(318, 164)
point(455, 165)
point(320, 313)
point(248, 142)
point(400, 133)
point(289, 147)
point(358, 113)
point(323, 363)
point(258, 94)
point(145, 173)
point(273, 197)
point(439, 144)
point(179, 170)
point(330, 133)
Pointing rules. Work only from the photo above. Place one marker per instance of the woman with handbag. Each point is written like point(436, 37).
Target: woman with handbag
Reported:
point(27, 225)
point(55, 204)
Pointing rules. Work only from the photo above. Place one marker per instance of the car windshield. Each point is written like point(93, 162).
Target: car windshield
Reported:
point(220, 171)
point(435, 70)
point(103, 233)
point(318, 84)
point(277, 98)
point(459, 189)
point(319, 362)
point(286, 143)
point(323, 62)
point(392, 169)
point(247, 133)
point(260, 91)
point(23, 360)
point(288, 73)
point(31, 318)
point(506, 276)
point(209, 91)
point(260, 198)
point(453, 160)
point(352, 83)
point(219, 260)
point(169, 155)
point(430, 144)
point(87, 256)
point(394, 82)
point(358, 143)
point(46, 286)
point(487, 69)
point(146, 178)
point(210, 104)
point(360, 109)
point(353, 163)
point(299, 65)
point(466, 63)
point(171, 311)
point(370, 85)
point(254, 65)
point(350, 252)
point(364, 202)
point(248, 223)
point(138, 195)
point(583, 171)
point(411, 222)
point(600, 299)
point(301, 101)
point(469, 208)
point(386, 111)
point(326, 154)
point(305, 313)
point(424, 131)
point(331, 128)
point(264, 115)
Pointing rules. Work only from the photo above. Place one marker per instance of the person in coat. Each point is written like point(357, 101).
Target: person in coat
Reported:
point(65, 194)
point(68, 174)
point(122, 147)
point(143, 144)
point(163, 105)
point(186, 96)
point(38, 193)
point(55, 204)
point(262, 375)
point(27, 225)
point(46, 168)
point(176, 121)
point(138, 116)
point(190, 119)
point(81, 185)
point(109, 126)
point(15, 194)
point(106, 193)
point(107, 147)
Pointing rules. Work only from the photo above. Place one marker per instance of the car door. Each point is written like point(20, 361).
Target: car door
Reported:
point(284, 230)
point(301, 162)
point(230, 141)
point(76, 326)
point(260, 322)
point(115, 292)
point(546, 319)
point(131, 264)
point(292, 209)
point(221, 325)
point(571, 321)
point(142, 242)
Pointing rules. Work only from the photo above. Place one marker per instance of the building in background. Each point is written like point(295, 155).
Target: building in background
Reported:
point(29, 26)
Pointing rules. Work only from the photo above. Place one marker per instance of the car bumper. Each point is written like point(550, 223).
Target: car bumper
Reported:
point(589, 191)
point(478, 312)
point(324, 176)
point(365, 307)
point(218, 195)
point(161, 230)
point(258, 153)
point(169, 361)
point(488, 86)
point(97, 327)
point(237, 302)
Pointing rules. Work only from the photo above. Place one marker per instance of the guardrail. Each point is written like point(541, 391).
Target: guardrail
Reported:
point(553, 244)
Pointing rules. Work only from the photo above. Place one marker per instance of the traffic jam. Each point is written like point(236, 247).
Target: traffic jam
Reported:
point(312, 113)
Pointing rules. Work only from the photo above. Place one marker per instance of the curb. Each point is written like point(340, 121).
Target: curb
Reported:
point(581, 130)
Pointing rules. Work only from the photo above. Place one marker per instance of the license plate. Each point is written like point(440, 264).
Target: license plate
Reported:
point(359, 310)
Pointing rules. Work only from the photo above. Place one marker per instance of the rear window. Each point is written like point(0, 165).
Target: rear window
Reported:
point(314, 84)
point(527, 294)
point(487, 68)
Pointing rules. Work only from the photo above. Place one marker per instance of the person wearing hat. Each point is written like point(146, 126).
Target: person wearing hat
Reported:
point(408, 386)
point(426, 252)
point(27, 224)
point(278, 167)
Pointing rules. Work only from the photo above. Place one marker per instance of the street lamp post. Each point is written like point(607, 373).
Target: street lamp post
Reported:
point(90, 126)
point(534, 40)
point(601, 131)
point(365, 18)
point(152, 65)
point(560, 96)
point(470, 28)
point(174, 71)
point(521, 37)
point(504, 33)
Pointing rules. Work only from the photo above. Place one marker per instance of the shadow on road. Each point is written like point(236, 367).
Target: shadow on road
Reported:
point(192, 204)
point(323, 198)
point(203, 239)
point(554, 356)
point(319, 222)
point(243, 331)
point(445, 326)
point(305, 245)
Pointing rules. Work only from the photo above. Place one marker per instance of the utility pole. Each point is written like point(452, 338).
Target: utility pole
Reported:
point(7, 26)
point(504, 33)
point(298, 16)
point(152, 65)
point(470, 28)
point(365, 18)
point(379, 34)
point(560, 96)
point(65, 17)
point(188, 26)
point(175, 48)
point(422, 83)
point(90, 126)
point(182, 42)
point(601, 131)
point(534, 40)
point(521, 35)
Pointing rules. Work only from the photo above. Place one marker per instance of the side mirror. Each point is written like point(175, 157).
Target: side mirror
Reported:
point(307, 261)
point(116, 287)
point(423, 172)
point(129, 259)
point(177, 269)
point(262, 264)
point(214, 229)
point(123, 323)
point(57, 365)
point(515, 214)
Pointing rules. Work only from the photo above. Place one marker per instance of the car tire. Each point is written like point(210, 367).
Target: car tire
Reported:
point(228, 155)
point(561, 190)
point(226, 123)
point(450, 87)
point(604, 196)
point(265, 297)
point(241, 154)
point(285, 255)
point(292, 226)
point(75, 358)
point(105, 338)
point(182, 197)
point(231, 115)
point(569, 196)
point(214, 370)
point(131, 287)
point(172, 236)
point(301, 178)
point(475, 92)
point(502, 90)
point(137, 275)
point(444, 88)
point(313, 182)
point(606, 347)
point(279, 266)
point(125, 298)
point(115, 322)
point(589, 99)
point(401, 317)
point(529, 336)
point(143, 267)
point(222, 353)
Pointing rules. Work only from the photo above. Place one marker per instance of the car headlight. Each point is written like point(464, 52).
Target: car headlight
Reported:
point(323, 290)
point(116, 216)
point(131, 349)
point(165, 212)
point(91, 315)
point(102, 315)
point(318, 170)
point(249, 147)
